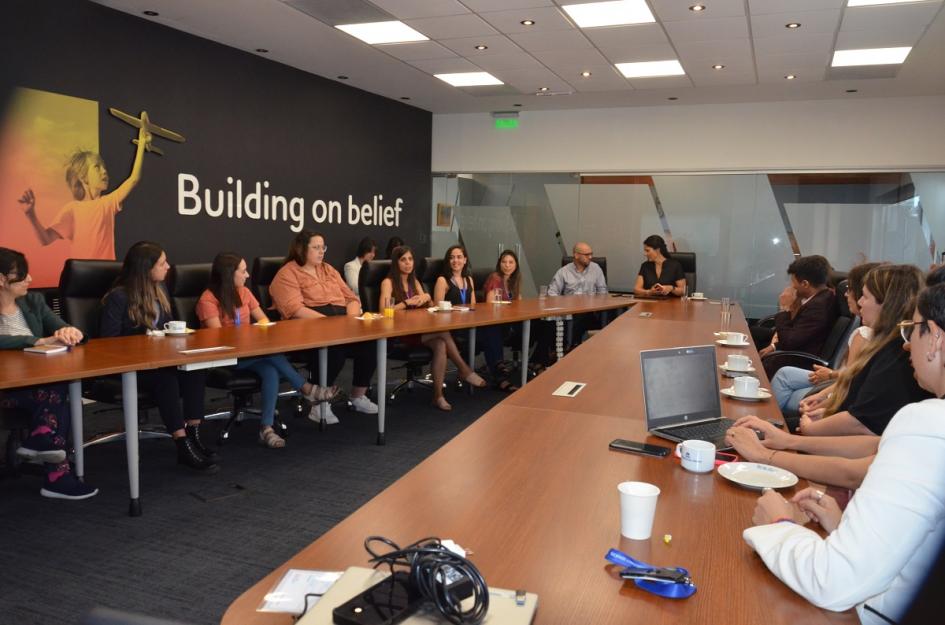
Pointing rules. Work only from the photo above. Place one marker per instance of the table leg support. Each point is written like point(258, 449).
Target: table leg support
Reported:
point(322, 382)
point(526, 339)
point(381, 390)
point(75, 410)
point(471, 358)
point(129, 401)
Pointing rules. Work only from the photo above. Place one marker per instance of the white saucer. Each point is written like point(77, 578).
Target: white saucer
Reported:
point(728, 343)
point(763, 394)
point(435, 309)
point(264, 325)
point(733, 373)
point(185, 332)
point(698, 299)
point(757, 476)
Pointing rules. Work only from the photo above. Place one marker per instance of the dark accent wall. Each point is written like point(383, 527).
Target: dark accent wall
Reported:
point(243, 116)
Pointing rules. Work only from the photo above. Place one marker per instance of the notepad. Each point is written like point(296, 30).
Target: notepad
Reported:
point(46, 349)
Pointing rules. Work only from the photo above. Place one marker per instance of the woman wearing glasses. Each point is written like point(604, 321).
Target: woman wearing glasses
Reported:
point(878, 550)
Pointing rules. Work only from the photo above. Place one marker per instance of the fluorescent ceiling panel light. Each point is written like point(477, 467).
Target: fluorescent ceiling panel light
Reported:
point(870, 56)
point(469, 79)
point(383, 32)
point(649, 69)
point(871, 3)
point(610, 13)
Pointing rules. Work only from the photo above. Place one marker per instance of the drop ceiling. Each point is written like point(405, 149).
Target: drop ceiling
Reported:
point(748, 37)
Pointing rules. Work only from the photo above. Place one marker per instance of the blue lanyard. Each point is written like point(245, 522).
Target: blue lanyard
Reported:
point(681, 588)
point(237, 320)
point(462, 295)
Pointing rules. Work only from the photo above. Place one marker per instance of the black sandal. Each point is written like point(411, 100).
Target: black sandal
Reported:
point(506, 386)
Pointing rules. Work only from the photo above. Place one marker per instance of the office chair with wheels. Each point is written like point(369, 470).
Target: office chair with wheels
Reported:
point(414, 357)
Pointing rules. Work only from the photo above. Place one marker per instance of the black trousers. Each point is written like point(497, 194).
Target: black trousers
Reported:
point(168, 386)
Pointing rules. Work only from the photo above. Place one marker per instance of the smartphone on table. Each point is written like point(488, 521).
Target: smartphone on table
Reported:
point(634, 447)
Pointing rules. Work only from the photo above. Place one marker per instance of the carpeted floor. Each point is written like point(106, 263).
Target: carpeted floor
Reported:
point(203, 539)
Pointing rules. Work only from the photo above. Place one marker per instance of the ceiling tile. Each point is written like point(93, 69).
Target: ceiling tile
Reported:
point(789, 43)
point(709, 49)
point(552, 40)
point(512, 60)
point(530, 81)
point(416, 51)
point(545, 18)
point(773, 24)
point(674, 10)
point(711, 29)
point(445, 66)
point(649, 52)
point(768, 75)
point(895, 38)
point(466, 46)
point(793, 63)
point(406, 9)
point(879, 18)
point(451, 26)
point(623, 36)
point(760, 7)
point(702, 66)
point(481, 6)
point(570, 58)
point(665, 82)
point(724, 78)
point(602, 78)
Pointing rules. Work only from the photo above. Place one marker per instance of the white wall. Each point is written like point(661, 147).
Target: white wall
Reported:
point(851, 134)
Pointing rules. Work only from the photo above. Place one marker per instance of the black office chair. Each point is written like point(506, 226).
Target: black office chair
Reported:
point(264, 270)
point(432, 269)
point(688, 262)
point(479, 276)
point(600, 260)
point(16, 421)
point(414, 357)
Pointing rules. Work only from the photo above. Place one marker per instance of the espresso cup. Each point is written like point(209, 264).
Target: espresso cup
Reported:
point(698, 295)
point(696, 456)
point(736, 338)
point(444, 305)
point(746, 386)
point(175, 326)
point(737, 362)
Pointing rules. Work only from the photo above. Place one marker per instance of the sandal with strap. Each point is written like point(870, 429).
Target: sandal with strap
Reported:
point(322, 393)
point(506, 386)
point(442, 404)
point(269, 438)
point(474, 379)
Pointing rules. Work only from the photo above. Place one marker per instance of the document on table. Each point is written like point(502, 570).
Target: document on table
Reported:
point(289, 595)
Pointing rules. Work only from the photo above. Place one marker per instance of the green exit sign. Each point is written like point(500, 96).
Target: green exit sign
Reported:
point(506, 123)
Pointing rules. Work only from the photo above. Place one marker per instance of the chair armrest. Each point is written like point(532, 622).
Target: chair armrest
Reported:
point(775, 360)
point(765, 322)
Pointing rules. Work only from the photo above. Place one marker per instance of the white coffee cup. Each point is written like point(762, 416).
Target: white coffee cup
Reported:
point(746, 386)
point(175, 326)
point(698, 295)
point(637, 509)
point(738, 362)
point(736, 338)
point(696, 456)
point(444, 305)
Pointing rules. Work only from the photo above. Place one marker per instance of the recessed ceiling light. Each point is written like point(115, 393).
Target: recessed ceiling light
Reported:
point(697, 7)
point(262, 50)
point(151, 13)
point(649, 69)
point(383, 32)
point(792, 25)
point(718, 66)
point(527, 22)
point(616, 13)
point(342, 77)
point(870, 56)
point(586, 74)
point(790, 77)
point(870, 3)
point(673, 98)
point(482, 47)
point(852, 90)
point(469, 79)
point(543, 89)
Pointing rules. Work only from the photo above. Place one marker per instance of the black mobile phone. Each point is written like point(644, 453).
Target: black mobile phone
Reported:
point(724, 456)
point(389, 601)
point(633, 447)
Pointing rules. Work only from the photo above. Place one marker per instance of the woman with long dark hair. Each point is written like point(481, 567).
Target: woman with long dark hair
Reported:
point(138, 304)
point(660, 274)
point(455, 284)
point(506, 284)
point(26, 321)
point(402, 286)
point(227, 302)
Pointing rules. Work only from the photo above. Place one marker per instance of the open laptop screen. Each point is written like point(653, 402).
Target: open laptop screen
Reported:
point(680, 385)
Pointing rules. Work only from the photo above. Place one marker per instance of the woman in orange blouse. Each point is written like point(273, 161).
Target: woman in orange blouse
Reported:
point(306, 287)
point(227, 302)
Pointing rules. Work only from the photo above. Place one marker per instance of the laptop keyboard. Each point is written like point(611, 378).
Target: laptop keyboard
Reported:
point(711, 431)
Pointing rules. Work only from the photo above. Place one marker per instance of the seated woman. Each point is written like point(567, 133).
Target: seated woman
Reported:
point(306, 287)
point(227, 302)
point(26, 321)
point(877, 551)
point(505, 282)
point(660, 274)
point(455, 285)
point(402, 286)
point(870, 390)
point(791, 384)
point(136, 304)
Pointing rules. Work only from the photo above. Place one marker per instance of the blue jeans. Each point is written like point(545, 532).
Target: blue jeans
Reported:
point(270, 369)
point(790, 386)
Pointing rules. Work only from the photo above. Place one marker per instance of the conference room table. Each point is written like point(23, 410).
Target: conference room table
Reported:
point(530, 489)
point(221, 346)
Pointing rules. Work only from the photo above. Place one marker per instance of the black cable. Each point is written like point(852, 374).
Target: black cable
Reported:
point(436, 573)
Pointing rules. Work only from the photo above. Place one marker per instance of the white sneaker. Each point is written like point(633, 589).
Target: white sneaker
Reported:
point(315, 414)
point(363, 404)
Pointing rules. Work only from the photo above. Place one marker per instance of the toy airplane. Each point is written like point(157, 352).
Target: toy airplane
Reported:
point(154, 129)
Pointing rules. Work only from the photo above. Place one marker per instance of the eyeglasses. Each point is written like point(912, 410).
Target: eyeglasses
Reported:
point(906, 328)
point(319, 248)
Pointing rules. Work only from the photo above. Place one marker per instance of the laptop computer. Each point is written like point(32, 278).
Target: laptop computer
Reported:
point(681, 395)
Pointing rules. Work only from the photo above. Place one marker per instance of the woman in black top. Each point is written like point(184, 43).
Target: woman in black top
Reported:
point(660, 274)
point(137, 304)
point(455, 285)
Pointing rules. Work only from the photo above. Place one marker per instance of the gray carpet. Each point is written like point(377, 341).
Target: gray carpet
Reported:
point(203, 539)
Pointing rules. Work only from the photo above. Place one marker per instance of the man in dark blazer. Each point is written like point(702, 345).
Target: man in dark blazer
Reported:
point(808, 308)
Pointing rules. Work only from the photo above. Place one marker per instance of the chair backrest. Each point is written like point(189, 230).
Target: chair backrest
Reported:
point(264, 270)
point(369, 283)
point(82, 285)
point(843, 346)
point(600, 260)
point(433, 267)
point(837, 339)
point(185, 284)
point(843, 307)
point(688, 262)
point(479, 276)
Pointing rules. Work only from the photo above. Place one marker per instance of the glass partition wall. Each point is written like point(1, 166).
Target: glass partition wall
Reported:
point(744, 229)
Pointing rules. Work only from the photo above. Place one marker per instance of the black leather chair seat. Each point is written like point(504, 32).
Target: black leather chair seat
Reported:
point(108, 390)
point(409, 354)
point(232, 380)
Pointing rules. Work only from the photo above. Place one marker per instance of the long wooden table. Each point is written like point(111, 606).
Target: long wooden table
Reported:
point(531, 490)
point(127, 355)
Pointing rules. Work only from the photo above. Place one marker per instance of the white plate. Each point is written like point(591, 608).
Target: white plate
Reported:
point(265, 325)
point(763, 394)
point(698, 299)
point(186, 331)
point(757, 476)
point(728, 343)
point(434, 309)
point(501, 302)
point(736, 372)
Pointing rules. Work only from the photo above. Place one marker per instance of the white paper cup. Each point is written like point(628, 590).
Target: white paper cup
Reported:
point(697, 456)
point(637, 509)
point(444, 305)
point(737, 362)
point(746, 386)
